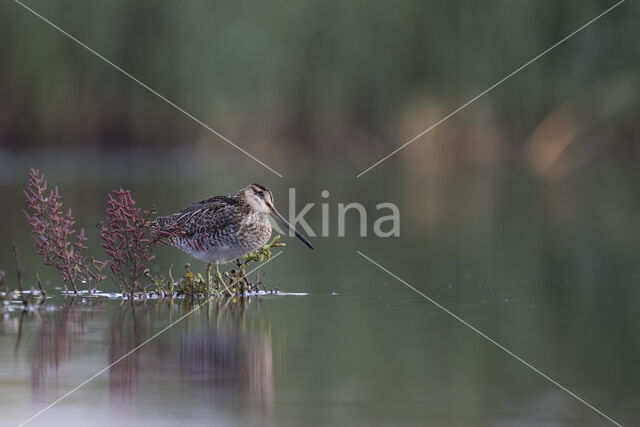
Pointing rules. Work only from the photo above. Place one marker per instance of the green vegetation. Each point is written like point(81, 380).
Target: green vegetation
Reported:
point(234, 282)
point(16, 293)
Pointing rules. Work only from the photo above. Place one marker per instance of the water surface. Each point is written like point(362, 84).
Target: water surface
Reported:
point(547, 268)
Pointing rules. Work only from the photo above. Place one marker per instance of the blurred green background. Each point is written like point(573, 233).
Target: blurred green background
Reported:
point(339, 81)
point(520, 213)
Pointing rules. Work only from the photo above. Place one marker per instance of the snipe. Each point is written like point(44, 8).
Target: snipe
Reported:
point(222, 229)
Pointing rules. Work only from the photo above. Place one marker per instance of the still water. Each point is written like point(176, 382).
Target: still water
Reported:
point(548, 269)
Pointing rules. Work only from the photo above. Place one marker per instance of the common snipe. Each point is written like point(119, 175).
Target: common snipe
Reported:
point(224, 228)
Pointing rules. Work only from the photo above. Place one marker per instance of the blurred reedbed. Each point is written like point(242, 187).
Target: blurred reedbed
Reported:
point(354, 82)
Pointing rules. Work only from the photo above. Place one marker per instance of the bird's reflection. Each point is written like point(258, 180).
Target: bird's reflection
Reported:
point(217, 349)
point(218, 352)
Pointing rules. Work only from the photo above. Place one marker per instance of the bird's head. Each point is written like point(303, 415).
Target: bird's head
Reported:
point(261, 199)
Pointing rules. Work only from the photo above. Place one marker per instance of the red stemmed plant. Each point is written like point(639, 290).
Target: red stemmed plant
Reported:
point(128, 238)
point(54, 235)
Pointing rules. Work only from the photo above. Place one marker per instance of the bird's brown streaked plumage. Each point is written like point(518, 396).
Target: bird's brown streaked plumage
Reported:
point(221, 229)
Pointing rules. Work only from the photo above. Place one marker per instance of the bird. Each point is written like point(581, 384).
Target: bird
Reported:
point(224, 228)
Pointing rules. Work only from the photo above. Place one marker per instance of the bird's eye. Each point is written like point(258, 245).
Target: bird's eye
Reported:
point(261, 193)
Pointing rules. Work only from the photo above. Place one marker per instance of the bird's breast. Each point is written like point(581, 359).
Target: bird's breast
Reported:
point(255, 230)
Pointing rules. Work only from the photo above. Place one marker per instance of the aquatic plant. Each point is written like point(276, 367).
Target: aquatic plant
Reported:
point(31, 298)
point(4, 288)
point(128, 240)
point(239, 275)
point(54, 234)
point(235, 281)
point(16, 259)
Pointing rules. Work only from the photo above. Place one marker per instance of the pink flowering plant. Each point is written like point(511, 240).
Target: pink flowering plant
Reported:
point(128, 239)
point(54, 235)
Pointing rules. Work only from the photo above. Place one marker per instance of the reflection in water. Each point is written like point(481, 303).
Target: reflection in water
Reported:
point(217, 352)
point(56, 335)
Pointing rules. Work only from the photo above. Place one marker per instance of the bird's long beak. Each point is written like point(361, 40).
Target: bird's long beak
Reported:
point(280, 218)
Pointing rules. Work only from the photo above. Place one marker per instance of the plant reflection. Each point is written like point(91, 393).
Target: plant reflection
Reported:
point(218, 352)
point(56, 336)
